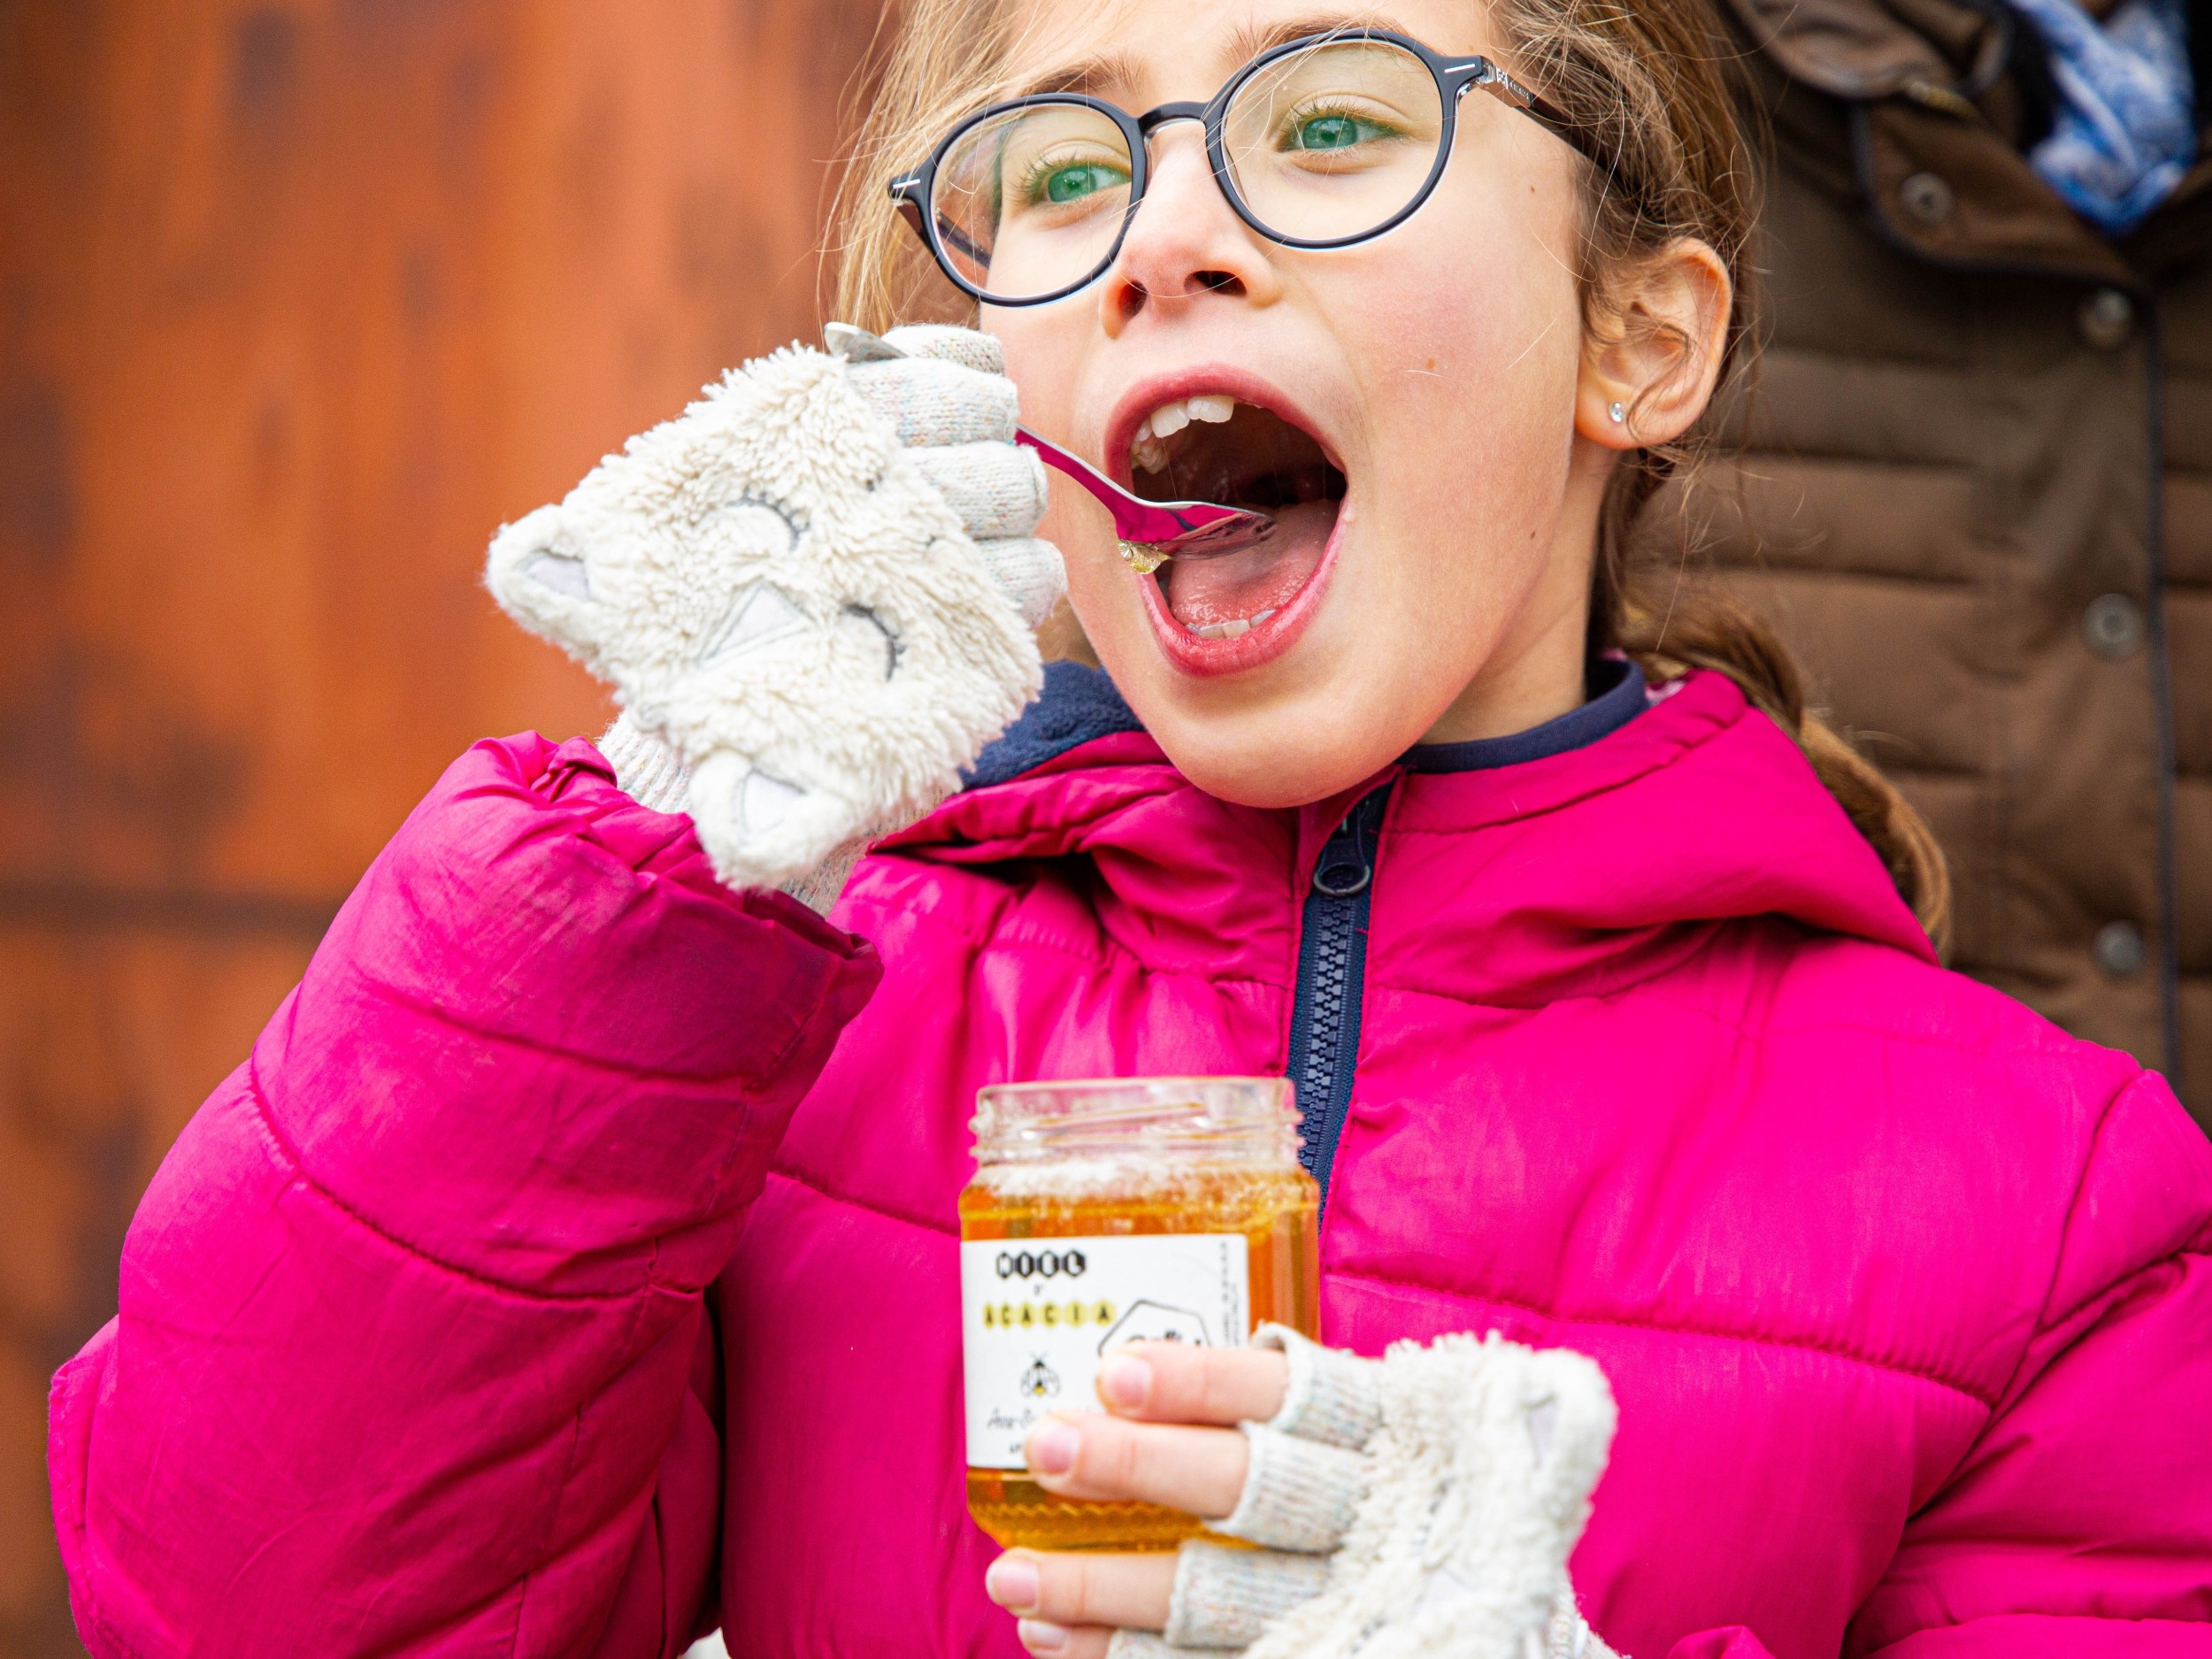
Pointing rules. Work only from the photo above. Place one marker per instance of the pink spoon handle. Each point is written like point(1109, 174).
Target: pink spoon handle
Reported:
point(1152, 523)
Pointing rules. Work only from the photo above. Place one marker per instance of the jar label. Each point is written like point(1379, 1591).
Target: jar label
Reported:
point(1037, 1315)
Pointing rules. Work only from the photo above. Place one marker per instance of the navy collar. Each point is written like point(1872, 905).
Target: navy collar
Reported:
point(1080, 703)
point(1616, 691)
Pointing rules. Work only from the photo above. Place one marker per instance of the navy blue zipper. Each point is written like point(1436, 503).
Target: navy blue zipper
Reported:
point(1332, 974)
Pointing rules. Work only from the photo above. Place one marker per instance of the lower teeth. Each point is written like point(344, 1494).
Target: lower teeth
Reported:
point(1234, 629)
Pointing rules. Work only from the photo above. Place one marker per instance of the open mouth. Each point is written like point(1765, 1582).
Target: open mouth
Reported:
point(1211, 447)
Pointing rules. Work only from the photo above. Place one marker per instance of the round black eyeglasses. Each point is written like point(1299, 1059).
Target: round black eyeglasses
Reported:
point(1322, 142)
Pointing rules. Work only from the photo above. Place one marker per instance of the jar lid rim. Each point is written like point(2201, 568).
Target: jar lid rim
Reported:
point(1159, 1114)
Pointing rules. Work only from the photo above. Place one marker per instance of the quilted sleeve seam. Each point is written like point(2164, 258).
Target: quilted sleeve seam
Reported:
point(785, 1172)
point(288, 1157)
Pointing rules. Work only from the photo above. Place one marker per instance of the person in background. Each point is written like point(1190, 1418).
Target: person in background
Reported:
point(1977, 498)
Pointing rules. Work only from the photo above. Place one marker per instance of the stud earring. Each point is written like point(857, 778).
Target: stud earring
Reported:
point(1619, 411)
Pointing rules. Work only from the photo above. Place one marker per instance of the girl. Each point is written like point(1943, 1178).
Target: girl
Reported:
point(571, 1264)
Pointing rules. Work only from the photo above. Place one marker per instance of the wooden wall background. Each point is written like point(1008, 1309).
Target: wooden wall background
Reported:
point(299, 302)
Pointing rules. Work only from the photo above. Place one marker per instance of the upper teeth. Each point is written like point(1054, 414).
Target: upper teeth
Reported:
point(1147, 451)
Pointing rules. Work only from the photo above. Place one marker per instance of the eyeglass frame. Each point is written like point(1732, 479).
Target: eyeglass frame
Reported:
point(1455, 77)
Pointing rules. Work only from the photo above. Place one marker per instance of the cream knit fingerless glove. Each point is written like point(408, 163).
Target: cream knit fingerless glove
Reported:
point(1424, 1504)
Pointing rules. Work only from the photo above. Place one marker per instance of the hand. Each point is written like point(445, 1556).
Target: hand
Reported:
point(1422, 1504)
point(815, 587)
point(1150, 1449)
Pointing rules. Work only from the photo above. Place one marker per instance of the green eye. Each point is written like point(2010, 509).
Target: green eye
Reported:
point(1332, 132)
point(1074, 183)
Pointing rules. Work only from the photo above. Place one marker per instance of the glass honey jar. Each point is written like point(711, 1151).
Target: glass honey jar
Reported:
point(1161, 1208)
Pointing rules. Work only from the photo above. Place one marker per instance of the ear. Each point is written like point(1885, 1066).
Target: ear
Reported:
point(1658, 330)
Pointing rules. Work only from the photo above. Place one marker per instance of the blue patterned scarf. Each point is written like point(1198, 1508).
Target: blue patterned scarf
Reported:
point(2126, 131)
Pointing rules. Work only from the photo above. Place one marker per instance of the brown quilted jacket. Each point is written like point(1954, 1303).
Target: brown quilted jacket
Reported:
point(1977, 498)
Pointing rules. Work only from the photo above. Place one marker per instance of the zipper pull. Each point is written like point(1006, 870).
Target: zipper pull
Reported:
point(1344, 870)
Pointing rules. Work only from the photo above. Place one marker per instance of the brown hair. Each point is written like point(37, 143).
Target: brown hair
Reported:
point(1651, 82)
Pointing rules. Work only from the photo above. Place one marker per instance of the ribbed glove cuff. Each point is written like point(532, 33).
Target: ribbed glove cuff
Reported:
point(1224, 1596)
point(654, 775)
point(648, 771)
point(1334, 1397)
point(1298, 1494)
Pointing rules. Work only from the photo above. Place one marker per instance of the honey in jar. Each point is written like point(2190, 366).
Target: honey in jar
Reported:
point(1151, 1209)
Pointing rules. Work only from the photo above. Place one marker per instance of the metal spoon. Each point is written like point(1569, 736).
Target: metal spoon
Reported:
point(1150, 531)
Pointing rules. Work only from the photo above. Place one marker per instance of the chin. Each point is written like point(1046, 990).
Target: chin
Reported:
point(1280, 756)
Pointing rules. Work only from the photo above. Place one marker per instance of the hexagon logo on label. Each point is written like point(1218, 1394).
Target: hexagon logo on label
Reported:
point(1149, 1321)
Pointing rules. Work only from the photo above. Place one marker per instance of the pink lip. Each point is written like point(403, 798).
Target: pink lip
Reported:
point(1267, 641)
point(1146, 395)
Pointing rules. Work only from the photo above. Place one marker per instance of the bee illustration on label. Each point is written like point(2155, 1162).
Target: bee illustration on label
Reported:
point(1040, 1380)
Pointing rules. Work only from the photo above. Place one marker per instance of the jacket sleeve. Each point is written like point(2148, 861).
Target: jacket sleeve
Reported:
point(411, 1330)
point(2081, 1522)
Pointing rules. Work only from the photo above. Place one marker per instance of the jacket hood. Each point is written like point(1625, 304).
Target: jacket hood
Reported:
point(1699, 810)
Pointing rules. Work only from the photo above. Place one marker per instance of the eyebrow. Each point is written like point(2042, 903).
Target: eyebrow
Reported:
point(1121, 68)
point(1249, 43)
point(1090, 74)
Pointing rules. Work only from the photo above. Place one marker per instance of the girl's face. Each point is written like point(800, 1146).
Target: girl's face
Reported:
point(1422, 397)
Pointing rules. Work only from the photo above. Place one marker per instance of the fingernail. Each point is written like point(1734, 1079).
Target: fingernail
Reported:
point(1126, 1382)
point(1052, 1447)
point(1012, 1583)
point(1039, 1637)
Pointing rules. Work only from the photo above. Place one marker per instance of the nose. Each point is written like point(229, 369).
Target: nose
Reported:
point(1186, 244)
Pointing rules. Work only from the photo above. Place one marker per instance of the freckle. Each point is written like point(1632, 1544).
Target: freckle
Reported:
point(1431, 363)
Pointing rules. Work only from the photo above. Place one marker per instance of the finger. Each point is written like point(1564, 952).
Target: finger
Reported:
point(930, 402)
point(1073, 1590)
point(1198, 1470)
point(1029, 572)
point(998, 489)
point(1173, 1382)
point(950, 343)
point(1049, 1641)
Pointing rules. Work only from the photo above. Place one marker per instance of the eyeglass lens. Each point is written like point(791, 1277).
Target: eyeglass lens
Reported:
point(1327, 143)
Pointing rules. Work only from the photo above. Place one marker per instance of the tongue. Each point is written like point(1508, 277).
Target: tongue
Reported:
point(1202, 592)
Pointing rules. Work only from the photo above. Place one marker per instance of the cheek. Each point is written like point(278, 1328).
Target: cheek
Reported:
point(1468, 334)
point(1044, 347)
point(1469, 374)
point(1102, 589)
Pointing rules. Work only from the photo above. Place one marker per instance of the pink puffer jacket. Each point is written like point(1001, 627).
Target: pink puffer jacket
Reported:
point(1905, 1295)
